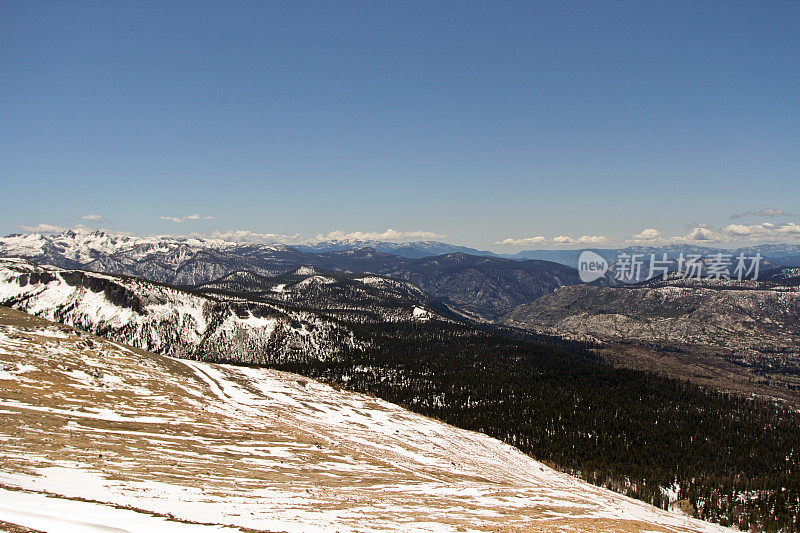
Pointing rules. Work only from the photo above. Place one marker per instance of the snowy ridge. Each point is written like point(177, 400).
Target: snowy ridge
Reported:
point(167, 320)
point(182, 260)
point(256, 448)
point(84, 246)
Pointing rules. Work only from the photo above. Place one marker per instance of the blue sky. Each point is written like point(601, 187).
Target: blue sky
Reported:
point(480, 122)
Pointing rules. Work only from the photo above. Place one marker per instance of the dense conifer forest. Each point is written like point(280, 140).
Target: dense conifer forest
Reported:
point(732, 460)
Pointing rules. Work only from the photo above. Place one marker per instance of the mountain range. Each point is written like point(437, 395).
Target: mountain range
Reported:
point(411, 250)
point(83, 246)
point(528, 294)
point(483, 287)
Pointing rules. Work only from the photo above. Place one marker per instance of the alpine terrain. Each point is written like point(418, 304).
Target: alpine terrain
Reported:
point(99, 436)
point(659, 440)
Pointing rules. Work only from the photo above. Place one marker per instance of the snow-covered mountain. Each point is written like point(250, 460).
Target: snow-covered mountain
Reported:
point(89, 248)
point(83, 246)
point(168, 320)
point(165, 259)
point(101, 437)
point(247, 317)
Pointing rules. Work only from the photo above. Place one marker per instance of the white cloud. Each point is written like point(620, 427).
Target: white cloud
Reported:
point(43, 228)
point(243, 235)
point(647, 235)
point(731, 234)
point(743, 230)
point(593, 239)
point(789, 229)
point(560, 240)
point(195, 216)
point(240, 235)
point(765, 231)
point(701, 234)
point(527, 241)
point(388, 235)
point(766, 212)
point(94, 218)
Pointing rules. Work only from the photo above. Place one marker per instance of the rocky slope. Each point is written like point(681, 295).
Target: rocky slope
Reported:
point(101, 437)
point(747, 318)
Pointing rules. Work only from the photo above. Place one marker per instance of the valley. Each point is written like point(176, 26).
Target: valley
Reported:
point(740, 337)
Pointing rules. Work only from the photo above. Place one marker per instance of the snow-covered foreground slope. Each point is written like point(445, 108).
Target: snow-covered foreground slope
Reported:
point(148, 442)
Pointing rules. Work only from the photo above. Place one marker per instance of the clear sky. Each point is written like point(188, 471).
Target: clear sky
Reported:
point(476, 121)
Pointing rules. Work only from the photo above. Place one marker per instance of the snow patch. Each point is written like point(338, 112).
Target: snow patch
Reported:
point(305, 271)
